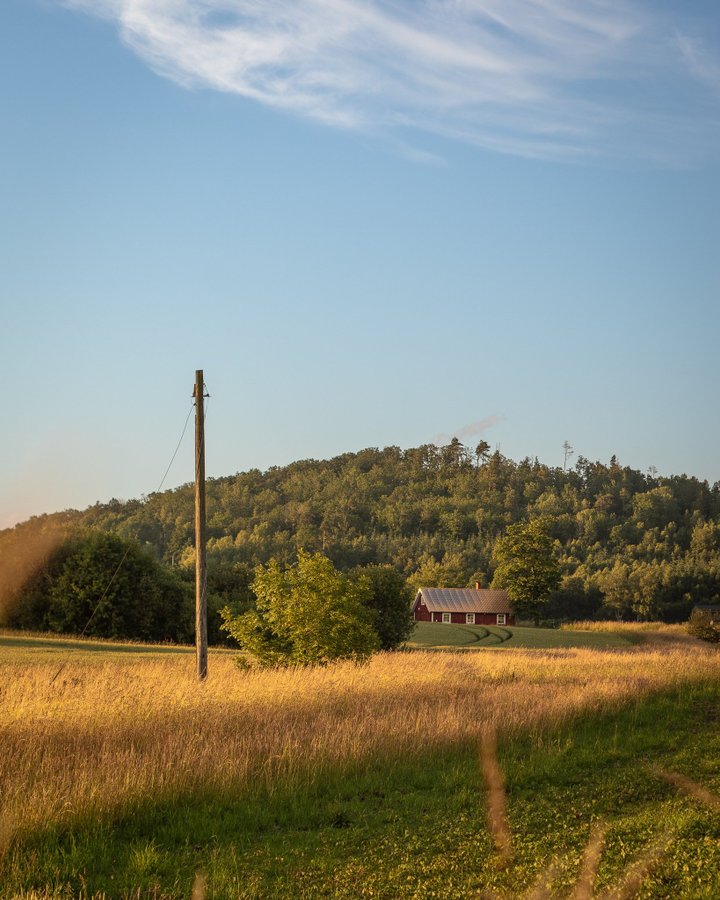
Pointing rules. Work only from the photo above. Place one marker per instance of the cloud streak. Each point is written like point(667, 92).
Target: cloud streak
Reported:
point(539, 78)
point(473, 429)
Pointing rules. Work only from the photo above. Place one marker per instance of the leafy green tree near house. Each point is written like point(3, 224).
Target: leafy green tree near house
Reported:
point(526, 567)
point(307, 614)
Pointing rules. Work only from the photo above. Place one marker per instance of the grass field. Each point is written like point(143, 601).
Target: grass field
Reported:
point(435, 634)
point(38, 646)
point(123, 777)
point(32, 647)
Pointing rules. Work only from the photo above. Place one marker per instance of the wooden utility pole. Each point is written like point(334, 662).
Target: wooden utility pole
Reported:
point(200, 561)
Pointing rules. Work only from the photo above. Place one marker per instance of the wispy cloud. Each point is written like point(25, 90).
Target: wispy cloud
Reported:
point(701, 65)
point(541, 78)
point(473, 429)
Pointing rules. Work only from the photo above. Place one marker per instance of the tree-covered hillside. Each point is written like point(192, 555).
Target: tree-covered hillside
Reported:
point(630, 544)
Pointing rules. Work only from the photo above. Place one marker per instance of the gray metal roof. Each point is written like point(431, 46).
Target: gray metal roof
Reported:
point(465, 600)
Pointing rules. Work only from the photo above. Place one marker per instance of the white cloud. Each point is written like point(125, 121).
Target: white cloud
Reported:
point(547, 78)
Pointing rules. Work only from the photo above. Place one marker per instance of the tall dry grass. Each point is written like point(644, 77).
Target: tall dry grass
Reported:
point(648, 629)
point(103, 735)
point(495, 797)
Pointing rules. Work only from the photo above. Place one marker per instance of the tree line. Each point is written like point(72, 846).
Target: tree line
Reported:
point(629, 544)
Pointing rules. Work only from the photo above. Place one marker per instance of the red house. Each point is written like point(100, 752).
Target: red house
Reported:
point(463, 606)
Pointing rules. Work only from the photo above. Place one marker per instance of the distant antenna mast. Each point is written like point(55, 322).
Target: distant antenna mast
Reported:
point(200, 561)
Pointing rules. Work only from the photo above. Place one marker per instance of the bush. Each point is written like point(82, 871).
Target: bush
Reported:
point(703, 625)
point(309, 613)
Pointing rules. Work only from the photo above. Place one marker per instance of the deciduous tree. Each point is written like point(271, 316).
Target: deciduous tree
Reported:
point(106, 586)
point(390, 600)
point(526, 566)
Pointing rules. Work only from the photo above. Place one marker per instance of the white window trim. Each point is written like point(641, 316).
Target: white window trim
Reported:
point(447, 621)
point(501, 619)
point(469, 618)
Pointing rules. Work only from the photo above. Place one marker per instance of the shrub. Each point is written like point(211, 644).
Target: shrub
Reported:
point(703, 625)
point(307, 614)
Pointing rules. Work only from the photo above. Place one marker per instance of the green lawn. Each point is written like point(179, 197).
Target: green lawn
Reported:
point(427, 635)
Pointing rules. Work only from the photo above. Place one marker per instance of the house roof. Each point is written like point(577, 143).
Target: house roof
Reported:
point(464, 600)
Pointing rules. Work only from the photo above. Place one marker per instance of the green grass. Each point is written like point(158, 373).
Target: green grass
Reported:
point(416, 828)
point(427, 635)
point(29, 647)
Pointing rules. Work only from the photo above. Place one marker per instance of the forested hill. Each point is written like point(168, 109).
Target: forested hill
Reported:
point(630, 543)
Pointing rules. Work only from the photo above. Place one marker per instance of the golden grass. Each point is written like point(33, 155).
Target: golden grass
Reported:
point(591, 860)
point(691, 788)
point(630, 884)
point(107, 734)
point(496, 797)
point(659, 629)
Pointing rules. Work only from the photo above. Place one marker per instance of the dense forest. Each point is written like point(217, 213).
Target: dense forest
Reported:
point(630, 544)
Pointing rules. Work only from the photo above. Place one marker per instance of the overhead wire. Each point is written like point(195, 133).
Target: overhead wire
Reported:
point(175, 453)
point(127, 550)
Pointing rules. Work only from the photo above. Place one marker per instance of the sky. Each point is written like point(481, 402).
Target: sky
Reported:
point(370, 223)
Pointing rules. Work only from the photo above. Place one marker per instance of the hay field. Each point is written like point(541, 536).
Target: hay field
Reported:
point(105, 735)
point(655, 630)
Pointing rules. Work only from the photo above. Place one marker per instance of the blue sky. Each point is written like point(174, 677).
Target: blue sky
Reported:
point(370, 223)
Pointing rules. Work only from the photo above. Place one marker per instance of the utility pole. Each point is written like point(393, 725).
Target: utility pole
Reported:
point(200, 561)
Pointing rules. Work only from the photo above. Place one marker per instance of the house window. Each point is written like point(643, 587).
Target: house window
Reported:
point(470, 618)
point(501, 618)
point(446, 617)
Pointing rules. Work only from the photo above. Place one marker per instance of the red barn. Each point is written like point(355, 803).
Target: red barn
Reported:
point(463, 606)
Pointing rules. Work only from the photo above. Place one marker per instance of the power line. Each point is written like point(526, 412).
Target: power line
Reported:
point(127, 551)
point(172, 458)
